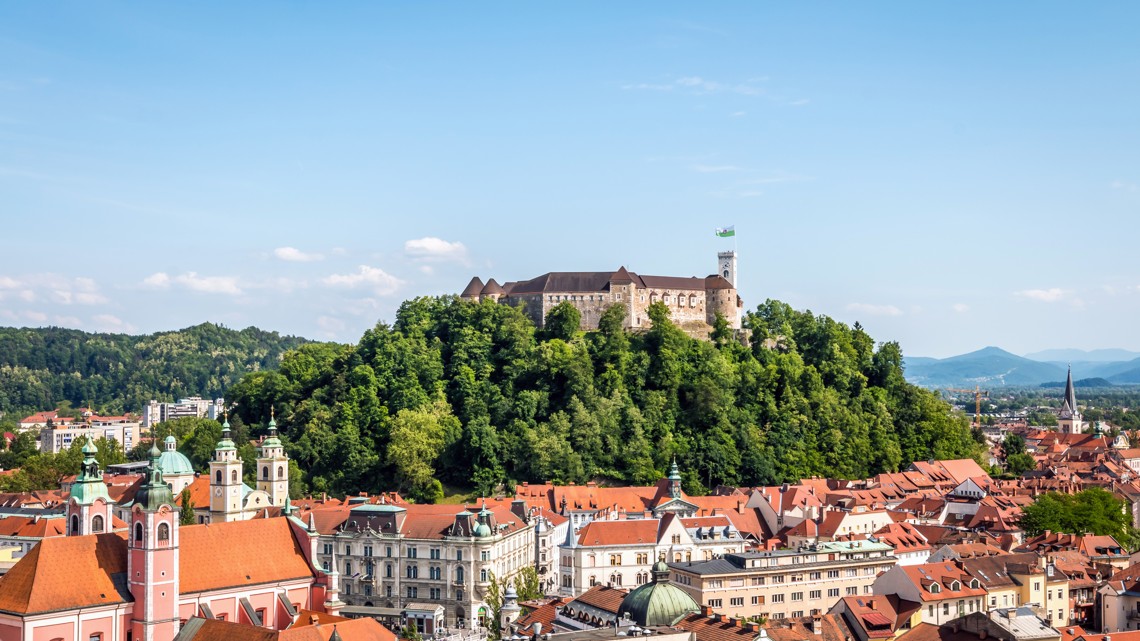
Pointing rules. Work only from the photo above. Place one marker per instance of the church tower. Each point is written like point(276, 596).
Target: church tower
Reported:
point(152, 559)
point(1069, 418)
point(674, 480)
point(273, 466)
point(225, 480)
point(89, 507)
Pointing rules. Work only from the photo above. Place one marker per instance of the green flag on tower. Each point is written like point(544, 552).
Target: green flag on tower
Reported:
point(726, 232)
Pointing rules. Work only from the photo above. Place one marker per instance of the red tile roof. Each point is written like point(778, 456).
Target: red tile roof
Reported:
point(64, 573)
point(599, 533)
point(602, 597)
point(222, 555)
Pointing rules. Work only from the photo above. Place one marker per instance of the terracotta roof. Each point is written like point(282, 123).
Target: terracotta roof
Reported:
point(67, 572)
point(944, 574)
point(881, 615)
point(834, 628)
point(199, 493)
point(602, 597)
point(32, 527)
point(543, 614)
point(714, 628)
point(931, 632)
point(222, 555)
point(598, 533)
point(363, 629)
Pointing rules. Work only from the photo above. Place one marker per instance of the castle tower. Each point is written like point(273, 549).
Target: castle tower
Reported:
point(675, 480)
point(152, 559)
point(1069, 418)
point(273, 466)
point(89, 507)
point(225, 480)
point(726, 266)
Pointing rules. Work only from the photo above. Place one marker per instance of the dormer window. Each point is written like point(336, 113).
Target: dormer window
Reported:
point(975, 584)
point(935, 588)
point(955, 586)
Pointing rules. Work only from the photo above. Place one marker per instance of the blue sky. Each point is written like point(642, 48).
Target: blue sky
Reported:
point(951, 175)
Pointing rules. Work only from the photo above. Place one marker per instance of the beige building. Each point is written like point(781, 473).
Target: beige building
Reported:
point(55, 438)
point(778, 584)
point(622, 553)
point(693, 302)
point(945, 591)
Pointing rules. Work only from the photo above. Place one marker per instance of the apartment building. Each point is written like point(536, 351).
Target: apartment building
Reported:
point(393, 556)
point(945, 591)
point(621, 553)
point(194, 406)
point(56, 438)
point(777, 584)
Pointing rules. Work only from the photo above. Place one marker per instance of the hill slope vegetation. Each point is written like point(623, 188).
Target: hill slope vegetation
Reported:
point(472, 393)
point(41, 368)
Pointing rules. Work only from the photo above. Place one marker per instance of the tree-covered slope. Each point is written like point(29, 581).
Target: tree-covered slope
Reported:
point(472, 393)
point(40, 368)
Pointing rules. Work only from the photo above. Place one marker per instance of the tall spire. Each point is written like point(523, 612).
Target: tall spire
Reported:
point(1070, 393)
point(155, 492)
point(89, 483)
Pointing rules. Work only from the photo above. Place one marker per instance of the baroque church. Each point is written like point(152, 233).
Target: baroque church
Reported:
point(145, 582)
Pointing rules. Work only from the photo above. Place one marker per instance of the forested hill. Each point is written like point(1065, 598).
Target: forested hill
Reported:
point(472, 393)
point(40, 368)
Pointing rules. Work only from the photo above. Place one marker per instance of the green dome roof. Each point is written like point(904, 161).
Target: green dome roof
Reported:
point(482, 530)
point(658, 603)
point(172, 462)
point(155, 492)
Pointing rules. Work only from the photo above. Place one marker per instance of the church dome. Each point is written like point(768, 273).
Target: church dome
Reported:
point(658, 603)
point(172, 462)
point(482, 530)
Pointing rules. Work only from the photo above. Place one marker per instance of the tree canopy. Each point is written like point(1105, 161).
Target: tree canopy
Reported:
point(471, 394)
point(45, 367)
point(1094, 510)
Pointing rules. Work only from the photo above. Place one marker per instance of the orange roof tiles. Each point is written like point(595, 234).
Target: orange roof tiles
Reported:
point(224, 555)
point(66, 572)
point(34, 527)
point(602, 597)
point(599, 533)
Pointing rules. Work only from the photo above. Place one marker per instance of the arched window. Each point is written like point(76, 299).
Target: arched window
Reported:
point(459, 574)
point(265, 473)
point(234, 476)
point(218, 477)
point(97, 523)
point(280, 471)
point(74, 524)
point(163, 532)
point(138, 532)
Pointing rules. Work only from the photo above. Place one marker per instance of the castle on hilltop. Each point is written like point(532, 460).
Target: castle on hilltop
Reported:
point(693, 302)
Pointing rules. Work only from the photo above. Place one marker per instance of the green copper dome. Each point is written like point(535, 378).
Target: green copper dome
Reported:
point(172, 462)
point(482, 530)
point(155, 492)
point(659, 603)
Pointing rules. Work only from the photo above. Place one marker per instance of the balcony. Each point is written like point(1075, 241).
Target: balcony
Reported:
point(1133, 615)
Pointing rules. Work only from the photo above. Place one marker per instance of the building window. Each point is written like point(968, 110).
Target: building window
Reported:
point(234, 476)
point(755, 600)
point(815, 594)
point(715, 603)
point(833, 592)
point(411, 552)
point(368, 550)
point(797, 596)
point(261, 617)
point(853, 590)
point(412, 572)
point(459, 555)
point(218, 477)
point(434, 553)
point(413, 592)
point(615, 559)
point(434, 573)
point(265, 473)
point(777, 598)
point(388, 551)
point(483, 575)
point(163, 532)
point(833, 574)
point(97, 523)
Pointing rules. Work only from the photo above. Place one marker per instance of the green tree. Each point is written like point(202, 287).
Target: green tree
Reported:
point(186, 514)
point(563, 321)
point(527, 584)
point(1093, 510)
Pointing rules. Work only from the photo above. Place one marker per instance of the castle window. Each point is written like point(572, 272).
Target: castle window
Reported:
point(97, 523)
point(163, 532)
point(692, 300)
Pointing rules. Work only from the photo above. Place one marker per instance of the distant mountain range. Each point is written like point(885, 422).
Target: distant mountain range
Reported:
point(995, 367)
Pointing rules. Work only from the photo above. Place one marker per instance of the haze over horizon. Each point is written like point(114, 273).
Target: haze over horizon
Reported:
point(951, 176)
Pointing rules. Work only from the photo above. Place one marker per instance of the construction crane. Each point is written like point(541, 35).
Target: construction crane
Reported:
point(978, 394)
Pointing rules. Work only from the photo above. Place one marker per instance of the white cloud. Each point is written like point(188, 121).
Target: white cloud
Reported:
point(54, 287)
point(209, 284)
point(737, 114)
point(799, 103)
point(436, 250)
point(158, 280)
point(380, 281)
point(295, 255)
point(194, 282)
point(874, 310)
point(1124, 185)
point(38, 317)
point(961, 308)
point(110, 323)
point(1051, 295)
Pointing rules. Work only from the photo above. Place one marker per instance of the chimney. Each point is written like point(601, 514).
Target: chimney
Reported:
point(706, 611)
point(740, 507)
